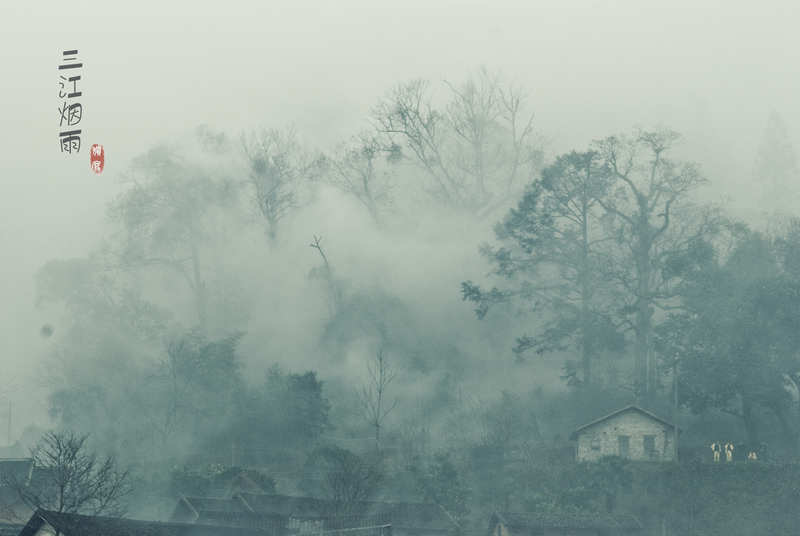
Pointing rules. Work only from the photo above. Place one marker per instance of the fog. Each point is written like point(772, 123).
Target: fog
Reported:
point(715, 72)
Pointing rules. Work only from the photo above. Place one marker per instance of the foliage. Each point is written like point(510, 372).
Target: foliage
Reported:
point(287, 412)
point(738, 362)
point(199, 380)
point(551, 256)
point(441, 482)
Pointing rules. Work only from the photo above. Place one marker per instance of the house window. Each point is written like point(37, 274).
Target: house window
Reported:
point(624, 445)
point(650, 446)
point(595, 443)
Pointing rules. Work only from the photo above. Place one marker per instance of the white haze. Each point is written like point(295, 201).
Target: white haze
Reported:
point(153, 70)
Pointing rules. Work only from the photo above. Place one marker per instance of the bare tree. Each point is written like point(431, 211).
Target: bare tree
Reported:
point(326, 273)
point(358, 171)
point(373, 394)
point(73, 479)
point(278, 164)
point(477, 149)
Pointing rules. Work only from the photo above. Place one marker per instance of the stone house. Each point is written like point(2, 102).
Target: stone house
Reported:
point(631, 432)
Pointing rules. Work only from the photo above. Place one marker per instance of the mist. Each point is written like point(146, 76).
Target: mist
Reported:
point(177, 251)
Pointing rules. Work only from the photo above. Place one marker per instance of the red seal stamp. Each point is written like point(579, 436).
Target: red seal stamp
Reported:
point(98, 158)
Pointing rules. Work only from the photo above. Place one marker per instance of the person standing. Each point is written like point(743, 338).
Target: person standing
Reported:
point(729, 452)
point(715, 448)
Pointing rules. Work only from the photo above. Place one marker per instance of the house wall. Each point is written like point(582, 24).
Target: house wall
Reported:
point(604, 436)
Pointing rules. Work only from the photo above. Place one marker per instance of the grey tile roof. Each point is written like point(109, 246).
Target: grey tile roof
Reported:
point(80, 525)
point(244, 508)
point(566, 520)
point(400, 514)
point(619, 412)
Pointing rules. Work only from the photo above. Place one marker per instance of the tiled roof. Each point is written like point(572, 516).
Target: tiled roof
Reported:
point(618, 412)
point(213, 504)
point(248, 506)
point(407, 515)
point(567, 520)
point(80, 525)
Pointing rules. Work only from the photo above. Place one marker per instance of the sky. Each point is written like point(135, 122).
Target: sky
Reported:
point(712, 70)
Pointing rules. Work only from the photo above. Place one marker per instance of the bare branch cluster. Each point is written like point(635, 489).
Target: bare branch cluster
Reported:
point(476, 149)
point(278, 164)
point(74, 479)
point(360, 169)
point(373, 393)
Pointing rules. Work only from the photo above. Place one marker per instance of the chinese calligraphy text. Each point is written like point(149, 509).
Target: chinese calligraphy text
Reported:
point(70, 111)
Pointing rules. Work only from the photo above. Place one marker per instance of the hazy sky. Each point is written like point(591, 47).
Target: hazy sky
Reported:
point(713, 70)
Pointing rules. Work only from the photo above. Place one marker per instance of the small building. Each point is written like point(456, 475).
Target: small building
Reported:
point(562, 524)
point(48, 523)
point(631, 432)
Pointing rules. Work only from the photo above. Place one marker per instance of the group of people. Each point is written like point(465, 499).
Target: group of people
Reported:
point(718, 448)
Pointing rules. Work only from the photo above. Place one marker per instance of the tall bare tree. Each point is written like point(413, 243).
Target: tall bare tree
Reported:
point(477, 149)
point(373, 394)
point(278, 166)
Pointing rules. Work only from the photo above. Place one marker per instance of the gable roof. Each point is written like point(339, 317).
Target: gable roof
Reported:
point(215, 504)
point(240, 481)
point(564, 520)
point(426, 516)
point(626, 409)
point(80, 525)
point(250, 509)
